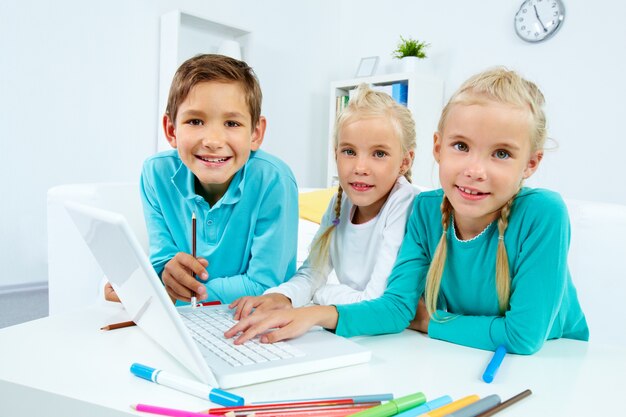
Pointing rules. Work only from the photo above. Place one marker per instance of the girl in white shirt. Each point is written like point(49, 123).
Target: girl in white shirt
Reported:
point(363, 227)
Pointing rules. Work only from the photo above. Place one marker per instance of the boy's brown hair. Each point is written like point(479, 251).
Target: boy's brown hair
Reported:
point(212, 67)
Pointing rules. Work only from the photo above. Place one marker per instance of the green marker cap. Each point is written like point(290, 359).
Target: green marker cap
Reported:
point(394, 407)
point(409, 401)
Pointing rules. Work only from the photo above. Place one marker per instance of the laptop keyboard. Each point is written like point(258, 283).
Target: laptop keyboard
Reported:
point(207, 327)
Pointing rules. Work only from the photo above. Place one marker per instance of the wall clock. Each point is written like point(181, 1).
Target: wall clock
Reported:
point(538, 20)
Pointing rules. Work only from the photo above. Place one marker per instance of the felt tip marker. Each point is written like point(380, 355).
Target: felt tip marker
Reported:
point(171, 412)
point(494, 364)
point(394, 407)
point(194, 388)
point(424, 408)
point(453, 406)
point(356, 399)
point(478, 407)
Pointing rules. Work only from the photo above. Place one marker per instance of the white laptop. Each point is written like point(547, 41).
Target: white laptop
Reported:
point(199, 344)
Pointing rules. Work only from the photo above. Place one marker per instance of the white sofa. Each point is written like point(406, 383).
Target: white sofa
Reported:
point(597, 247)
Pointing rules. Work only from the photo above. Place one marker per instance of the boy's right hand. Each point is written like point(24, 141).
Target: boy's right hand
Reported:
point(265, 302)
point(178, 279)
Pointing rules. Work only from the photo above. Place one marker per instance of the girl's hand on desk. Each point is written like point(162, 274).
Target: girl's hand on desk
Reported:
point(266, 302)
point(110, 294)
point(288, 323)
point(180, 282)
point(422, 318)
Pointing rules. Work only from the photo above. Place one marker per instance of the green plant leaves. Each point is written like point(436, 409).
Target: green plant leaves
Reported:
point(410, 47)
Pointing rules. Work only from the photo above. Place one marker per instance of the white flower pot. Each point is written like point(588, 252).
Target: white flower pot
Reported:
point(413, 64)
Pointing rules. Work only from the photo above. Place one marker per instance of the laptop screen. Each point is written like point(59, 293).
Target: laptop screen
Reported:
point(129, 271)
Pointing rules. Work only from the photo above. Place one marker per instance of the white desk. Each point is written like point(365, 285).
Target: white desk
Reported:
point(66, 366)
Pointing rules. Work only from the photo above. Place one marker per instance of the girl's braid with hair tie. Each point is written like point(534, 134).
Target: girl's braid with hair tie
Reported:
point(338, 206)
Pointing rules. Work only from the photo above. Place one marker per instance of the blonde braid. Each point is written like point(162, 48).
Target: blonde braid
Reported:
point(321, 246)
point(408, 174)
point(435, 272)
point(503, 276)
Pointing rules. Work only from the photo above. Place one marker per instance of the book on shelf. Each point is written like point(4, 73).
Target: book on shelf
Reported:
point(399, 91)
point(341, 103)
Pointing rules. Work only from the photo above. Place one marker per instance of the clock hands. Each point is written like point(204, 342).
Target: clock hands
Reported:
point(538, 19)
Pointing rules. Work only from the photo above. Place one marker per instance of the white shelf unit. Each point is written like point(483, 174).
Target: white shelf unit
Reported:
point(425, 99)
point(184, 35)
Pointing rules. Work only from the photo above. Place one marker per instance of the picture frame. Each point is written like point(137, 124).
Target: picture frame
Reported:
point(367, 67)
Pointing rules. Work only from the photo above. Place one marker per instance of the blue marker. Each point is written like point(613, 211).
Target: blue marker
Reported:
point(478, 407)
point(424, 408)
point(185, 385)
point(494, 365)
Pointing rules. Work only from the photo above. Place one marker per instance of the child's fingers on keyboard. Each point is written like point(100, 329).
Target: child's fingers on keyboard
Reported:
point(238, 327)
point(247, 307)
point(252, 326)
point(288, 332)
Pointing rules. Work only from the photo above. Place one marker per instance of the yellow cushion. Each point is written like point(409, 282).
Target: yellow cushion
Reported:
point(313, 204)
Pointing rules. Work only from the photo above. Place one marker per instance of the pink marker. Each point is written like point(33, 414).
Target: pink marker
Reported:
point(162, 411)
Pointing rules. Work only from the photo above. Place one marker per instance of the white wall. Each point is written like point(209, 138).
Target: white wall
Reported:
point(79, 89)
point(79, 80)
point(580, 70)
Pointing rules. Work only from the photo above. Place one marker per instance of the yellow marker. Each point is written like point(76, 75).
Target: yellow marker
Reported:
point(453, 406)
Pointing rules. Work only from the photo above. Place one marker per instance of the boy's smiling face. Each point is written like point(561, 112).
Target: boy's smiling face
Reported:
point(214, 135)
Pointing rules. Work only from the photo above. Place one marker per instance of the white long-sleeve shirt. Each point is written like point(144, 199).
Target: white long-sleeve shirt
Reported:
point(362, 255)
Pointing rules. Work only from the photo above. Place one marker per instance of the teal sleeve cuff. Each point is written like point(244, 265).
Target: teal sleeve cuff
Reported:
point(473, 331)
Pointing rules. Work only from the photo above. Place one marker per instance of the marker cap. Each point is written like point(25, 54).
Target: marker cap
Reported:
point(142, 371)
point(409, 401)
point(426, 407)
point(225, 398)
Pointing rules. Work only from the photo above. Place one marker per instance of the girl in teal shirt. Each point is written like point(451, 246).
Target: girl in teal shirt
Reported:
point(484, 260)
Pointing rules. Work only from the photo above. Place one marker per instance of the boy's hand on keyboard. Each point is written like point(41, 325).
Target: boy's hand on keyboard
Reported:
point(178, 276)
point(288, 323)
point(244, 305)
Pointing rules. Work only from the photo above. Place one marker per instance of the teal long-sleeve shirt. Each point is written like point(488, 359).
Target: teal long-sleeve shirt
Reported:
point(543, 302)
point(249, 236)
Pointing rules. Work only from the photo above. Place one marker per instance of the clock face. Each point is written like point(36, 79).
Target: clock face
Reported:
point(537, 20)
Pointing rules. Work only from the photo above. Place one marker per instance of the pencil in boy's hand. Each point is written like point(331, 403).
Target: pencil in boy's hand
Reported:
point(114, 326)
point(194, 302)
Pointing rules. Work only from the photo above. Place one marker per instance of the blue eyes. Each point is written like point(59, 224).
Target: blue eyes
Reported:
point(499, 154)
point(376, 154)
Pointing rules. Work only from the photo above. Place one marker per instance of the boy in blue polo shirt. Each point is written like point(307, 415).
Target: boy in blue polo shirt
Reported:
point(245, 200)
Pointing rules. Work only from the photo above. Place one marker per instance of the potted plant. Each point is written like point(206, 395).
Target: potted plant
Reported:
point(410, 51)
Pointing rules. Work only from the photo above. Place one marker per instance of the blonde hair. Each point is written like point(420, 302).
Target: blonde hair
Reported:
point(507, 87)
point(366, 103)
